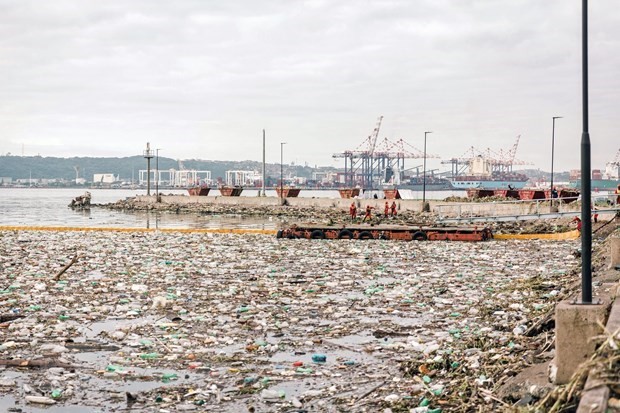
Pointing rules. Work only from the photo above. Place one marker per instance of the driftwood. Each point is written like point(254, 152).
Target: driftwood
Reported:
point(66, 267)
point(36, 363)
point(369, 392)
point(91, 346)
point(10, 317)
point(543, 324)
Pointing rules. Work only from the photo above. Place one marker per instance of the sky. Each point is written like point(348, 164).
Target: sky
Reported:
point(201, 79)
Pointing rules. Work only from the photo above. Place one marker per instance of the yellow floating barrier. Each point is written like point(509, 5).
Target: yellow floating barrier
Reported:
point(560, 236)
point(111, 229)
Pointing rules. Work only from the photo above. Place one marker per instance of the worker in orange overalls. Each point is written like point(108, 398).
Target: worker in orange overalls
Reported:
point(368, 214)
point(386, 211)
point(618, 196)
point(393, 208)
point(353, 211)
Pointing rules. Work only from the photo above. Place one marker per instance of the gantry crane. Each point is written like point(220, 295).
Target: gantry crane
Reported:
point(500, 162)
point(368, 162)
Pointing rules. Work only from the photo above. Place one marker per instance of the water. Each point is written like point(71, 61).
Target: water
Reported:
point(44, 207)
point(49, 207)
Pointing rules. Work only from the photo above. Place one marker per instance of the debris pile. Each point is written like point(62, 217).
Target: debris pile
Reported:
point(81, 201)
point(222, 322)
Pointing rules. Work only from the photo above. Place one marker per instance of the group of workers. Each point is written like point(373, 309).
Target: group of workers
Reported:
point(389, 210)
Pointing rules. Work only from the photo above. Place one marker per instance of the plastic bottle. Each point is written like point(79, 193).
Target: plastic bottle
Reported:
point(167, 377)
point(319, 358)
point(40, 400)
point(303, 370)
point(149, 356)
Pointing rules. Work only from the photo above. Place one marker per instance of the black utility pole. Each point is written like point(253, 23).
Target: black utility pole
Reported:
point(424, 175)
point(552, 151)
point(281, 171)
point(586, 184)
point(157, 176)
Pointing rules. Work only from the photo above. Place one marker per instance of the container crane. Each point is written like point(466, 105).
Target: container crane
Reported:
point(371, 158)
point(361, 157)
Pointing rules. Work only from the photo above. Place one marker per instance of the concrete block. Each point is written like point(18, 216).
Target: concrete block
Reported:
point(575, 325)
point(614, 245)
point(613, 321)
point(594, 397)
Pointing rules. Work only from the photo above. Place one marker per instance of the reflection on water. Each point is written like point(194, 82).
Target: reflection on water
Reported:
point(49, 207)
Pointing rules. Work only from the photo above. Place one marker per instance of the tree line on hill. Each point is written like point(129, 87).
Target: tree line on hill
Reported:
point(37, 167)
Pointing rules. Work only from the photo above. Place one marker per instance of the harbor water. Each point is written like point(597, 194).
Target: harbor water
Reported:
point(49, 207)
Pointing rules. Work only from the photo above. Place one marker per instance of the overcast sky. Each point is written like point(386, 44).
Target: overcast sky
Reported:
point(201, 78)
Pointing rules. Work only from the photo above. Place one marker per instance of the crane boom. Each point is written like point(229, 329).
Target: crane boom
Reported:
point(513, 151)
point(374, 136)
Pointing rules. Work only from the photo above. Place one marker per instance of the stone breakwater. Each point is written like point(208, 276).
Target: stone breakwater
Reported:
point(314, 210)
point(323, 211)
point(220, 322)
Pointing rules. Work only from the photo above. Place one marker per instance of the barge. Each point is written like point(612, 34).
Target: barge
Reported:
point(347, 193)
point(287, 192)
point(199, 190)
point(386, 232)
point(230, 190)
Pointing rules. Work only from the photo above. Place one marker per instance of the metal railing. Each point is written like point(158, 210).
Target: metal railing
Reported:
point(521, 209)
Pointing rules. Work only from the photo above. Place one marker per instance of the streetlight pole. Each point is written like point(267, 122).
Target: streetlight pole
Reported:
point(552, 151)
point(586, 183)
point(281, 170)
point(157, 174)
point(148, 155)
point(263, 164)
point(424, 175)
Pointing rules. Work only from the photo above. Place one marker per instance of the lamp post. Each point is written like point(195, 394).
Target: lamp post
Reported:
point(263, 194)
point(586, 183)
point(552, 150)
point(148, 155)
point(281, 171)
point(157, 174)
point(424, 175)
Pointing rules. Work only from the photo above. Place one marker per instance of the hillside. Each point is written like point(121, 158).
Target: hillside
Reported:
point(37, 167)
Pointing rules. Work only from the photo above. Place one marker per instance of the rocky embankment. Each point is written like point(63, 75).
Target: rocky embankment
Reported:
point(332, 216)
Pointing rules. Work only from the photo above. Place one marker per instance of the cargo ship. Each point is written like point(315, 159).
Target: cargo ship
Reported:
point(495, 181)
point(598, 184)
point(432, 183)
point(601, 181)
point(483, 173)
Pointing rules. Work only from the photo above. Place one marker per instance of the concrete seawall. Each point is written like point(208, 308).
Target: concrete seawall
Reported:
point(442, 208)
